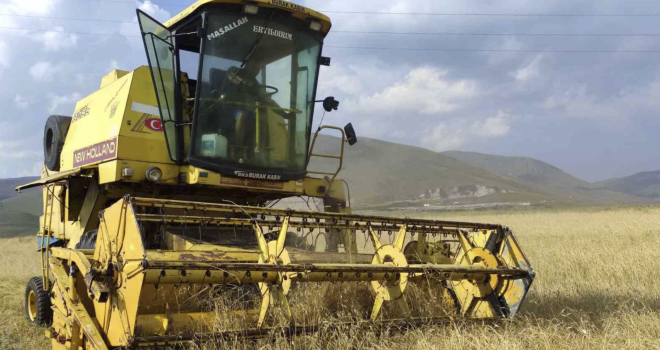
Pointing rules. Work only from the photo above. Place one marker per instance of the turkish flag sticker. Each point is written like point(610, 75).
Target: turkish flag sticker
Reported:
point(154, 124)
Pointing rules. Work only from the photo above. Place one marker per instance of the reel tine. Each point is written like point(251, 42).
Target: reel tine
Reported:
point(374, 239)
point(265, 304)
point(401, 237)
point(403, 306)
point(466, 245)
point(378, 304)
point(261, 240)
point(281, 239)
point(279, 298)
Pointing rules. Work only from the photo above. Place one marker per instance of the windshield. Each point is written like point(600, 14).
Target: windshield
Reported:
point(257, 90)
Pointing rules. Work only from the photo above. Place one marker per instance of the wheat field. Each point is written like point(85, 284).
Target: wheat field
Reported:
point(597, 287)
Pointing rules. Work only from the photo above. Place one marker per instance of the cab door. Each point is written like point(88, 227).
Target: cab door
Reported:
point(159, 46)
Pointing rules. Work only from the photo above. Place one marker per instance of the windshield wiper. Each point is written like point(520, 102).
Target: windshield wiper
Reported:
point(247, 57)
point(254, 47)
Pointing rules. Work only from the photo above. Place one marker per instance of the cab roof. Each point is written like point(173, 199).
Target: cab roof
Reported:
point(296, 10)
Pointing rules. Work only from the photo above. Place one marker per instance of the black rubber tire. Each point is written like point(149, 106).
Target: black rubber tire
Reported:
point(88, 240)
point(44, 313)
point(57, 127)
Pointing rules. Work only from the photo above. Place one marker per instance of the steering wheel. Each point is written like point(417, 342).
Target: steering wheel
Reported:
point(234, 74)
point(269, 93)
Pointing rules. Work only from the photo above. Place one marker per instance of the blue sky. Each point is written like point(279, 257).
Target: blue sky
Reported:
point(594, 115)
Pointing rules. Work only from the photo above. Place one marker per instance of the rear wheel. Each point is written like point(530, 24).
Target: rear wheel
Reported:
point(57, 127)
point(37, 303)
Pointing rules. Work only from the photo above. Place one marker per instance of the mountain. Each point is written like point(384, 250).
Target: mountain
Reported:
point(19, 215)
point(380, 172)
point(545, 177)
point(520, 168)
point(7, 186)
point(645, 184)
point(19, 212)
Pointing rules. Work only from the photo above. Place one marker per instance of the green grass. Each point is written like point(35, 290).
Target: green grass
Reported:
point(19, 215)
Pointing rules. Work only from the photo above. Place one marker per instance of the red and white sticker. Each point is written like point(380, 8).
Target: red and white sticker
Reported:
point(154, 124)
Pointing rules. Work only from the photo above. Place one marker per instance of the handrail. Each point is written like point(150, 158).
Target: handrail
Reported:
point(320, 155)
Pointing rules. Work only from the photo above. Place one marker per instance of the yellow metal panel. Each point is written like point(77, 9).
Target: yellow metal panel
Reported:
point(49, 178)
point(109, 172)
point(161, 324)
point(296, 10)
point(141, 136)
point(120, 121)
point(196, 176)
point(76, 310)
point(112, 77)
point(119, 240)
point(95, 124)
point(516, 290)
point(113, 171)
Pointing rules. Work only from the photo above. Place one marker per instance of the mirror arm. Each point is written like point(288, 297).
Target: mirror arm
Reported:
point(181, 34)
point(161, 39)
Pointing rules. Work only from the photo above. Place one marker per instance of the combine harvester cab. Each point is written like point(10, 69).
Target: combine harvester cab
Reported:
point(159, 195)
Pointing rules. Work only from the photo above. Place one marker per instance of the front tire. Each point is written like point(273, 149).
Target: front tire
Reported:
point(37, 303)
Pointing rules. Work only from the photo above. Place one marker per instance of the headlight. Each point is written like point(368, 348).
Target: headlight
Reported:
point(127, 172)
point(315, 25)
point(251, 9)
point(154, 174)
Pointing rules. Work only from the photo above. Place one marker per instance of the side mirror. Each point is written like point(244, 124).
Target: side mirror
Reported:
point(351, 137)
point(330, 103)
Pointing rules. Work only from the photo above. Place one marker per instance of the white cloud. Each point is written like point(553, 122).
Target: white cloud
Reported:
point(578, 102)
point(497, 126)
point(530, 71)
point(154, 10)
point(31, 7)
point(444, 137)
point(458, 133)
point(35, 170)
point(43, 71)
point(4, 55)
point(362, 78)
point(23, 102)
point(509, 43)
point(424, 90)
point(373, 127)
point(11, 150)
point(337, 78)
point(132, 30)
point(55, 40)
point(66, 100)
point(112, 65)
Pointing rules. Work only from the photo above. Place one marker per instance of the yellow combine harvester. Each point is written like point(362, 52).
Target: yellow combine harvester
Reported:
point(160, 189)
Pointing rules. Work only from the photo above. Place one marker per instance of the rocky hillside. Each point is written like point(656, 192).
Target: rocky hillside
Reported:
point(382, 172)
point(545, 177)
point(645, 184)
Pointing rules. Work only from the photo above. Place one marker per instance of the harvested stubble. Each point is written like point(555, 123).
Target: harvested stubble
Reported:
point(597, 286)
